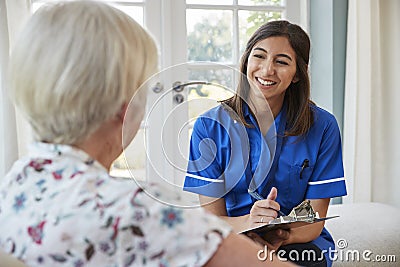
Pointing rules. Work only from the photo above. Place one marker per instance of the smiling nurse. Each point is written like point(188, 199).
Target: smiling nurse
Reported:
point(306, 161)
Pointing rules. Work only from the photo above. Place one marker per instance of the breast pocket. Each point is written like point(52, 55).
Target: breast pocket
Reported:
point(298, 182)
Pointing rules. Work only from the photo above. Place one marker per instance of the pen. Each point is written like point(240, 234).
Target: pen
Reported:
point(257, 196)
point(303, 166)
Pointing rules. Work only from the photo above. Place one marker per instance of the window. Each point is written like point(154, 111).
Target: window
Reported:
point(209, 37)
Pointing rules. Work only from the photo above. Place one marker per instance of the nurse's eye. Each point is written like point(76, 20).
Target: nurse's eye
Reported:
point(258, 56)
point(281, 62)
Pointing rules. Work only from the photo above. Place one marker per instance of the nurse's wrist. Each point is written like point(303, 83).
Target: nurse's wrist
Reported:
point(247, 222)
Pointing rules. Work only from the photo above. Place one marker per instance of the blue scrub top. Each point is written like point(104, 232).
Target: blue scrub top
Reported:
point(224, 155)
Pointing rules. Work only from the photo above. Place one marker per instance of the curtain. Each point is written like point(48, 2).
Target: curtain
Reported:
point(8, 143)
point(13, 14)
point(371, 145)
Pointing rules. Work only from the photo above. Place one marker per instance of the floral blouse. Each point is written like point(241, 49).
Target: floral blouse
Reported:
point(59, 207)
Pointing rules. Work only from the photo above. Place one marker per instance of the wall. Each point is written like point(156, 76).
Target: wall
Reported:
point(328, 27)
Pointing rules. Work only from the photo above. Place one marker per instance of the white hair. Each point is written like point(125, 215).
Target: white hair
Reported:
point(75, 64)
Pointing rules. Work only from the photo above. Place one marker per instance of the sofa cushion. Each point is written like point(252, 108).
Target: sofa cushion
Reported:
point(369, 231)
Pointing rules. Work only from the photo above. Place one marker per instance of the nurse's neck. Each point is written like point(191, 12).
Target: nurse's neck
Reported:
point(265, 114)
point(275, 107)
point(260, 108)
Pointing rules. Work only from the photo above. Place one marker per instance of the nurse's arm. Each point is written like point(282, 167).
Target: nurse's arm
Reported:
point(310, 232)
point(217, 206)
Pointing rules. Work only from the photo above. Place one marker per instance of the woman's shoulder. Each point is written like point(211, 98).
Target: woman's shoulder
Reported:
point(322, 116)
point(217, 111)
point(215, 117)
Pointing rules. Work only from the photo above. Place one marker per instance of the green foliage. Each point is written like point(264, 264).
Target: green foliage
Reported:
point(211, 39)
point(258, 18)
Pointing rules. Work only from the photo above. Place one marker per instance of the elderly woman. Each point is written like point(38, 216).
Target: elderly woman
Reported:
point(74, 71)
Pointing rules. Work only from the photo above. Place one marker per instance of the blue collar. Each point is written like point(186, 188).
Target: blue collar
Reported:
point(250, 118)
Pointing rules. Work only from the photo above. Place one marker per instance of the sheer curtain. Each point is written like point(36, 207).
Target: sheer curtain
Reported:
point(372, 108)
point(13, 14)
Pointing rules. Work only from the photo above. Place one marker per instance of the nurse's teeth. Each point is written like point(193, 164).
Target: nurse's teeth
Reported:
point(266, 83)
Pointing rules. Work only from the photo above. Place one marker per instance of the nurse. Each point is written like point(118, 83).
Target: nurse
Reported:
point(269, 147)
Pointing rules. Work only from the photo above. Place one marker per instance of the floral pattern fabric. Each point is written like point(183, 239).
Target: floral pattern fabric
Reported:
point(59, 207)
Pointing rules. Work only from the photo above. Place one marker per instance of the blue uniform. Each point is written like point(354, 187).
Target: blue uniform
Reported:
point(226, 157)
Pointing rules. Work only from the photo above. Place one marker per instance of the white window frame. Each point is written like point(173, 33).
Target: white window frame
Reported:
point(166, 20)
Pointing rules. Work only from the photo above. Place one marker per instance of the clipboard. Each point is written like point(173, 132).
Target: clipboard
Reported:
point(301, 215)
point(286, 225)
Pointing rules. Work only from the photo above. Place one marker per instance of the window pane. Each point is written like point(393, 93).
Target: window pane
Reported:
point(250, 21)
point(203, 97)
point(210, 2)
point(209, 35)
point(261, 2)
point(132, 161)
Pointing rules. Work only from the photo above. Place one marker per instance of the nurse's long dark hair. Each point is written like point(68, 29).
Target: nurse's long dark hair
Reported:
point(297, 96)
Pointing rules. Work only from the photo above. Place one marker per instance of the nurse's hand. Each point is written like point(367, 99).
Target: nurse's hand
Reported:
point(264, 211)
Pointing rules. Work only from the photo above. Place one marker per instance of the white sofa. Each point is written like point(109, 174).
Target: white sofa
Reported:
point(366, 234)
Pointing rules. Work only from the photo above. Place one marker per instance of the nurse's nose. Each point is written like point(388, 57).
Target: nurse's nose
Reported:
point(267, 67)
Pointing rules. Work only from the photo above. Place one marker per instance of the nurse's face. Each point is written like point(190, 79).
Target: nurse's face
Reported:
point(271, 68)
